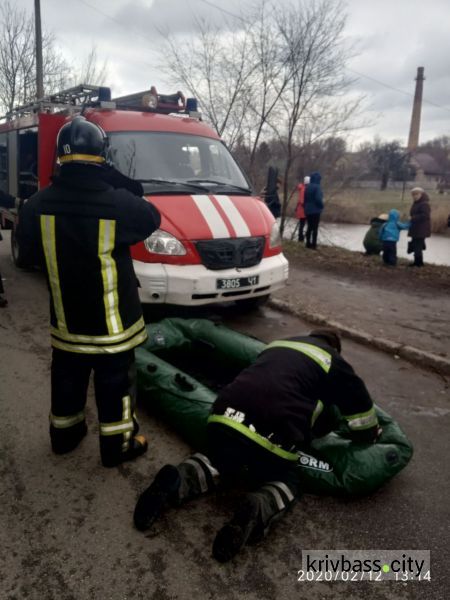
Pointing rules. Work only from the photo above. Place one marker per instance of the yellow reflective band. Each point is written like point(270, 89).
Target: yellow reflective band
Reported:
point(364, 420)
point(126, 415)
point(254, 436)
point(99, 339)
point(321, 357)
point(317, 411)
point(85, 157)
point(116, 428)
point(124, 427)
point(111, 349)
point(106, 241)
point(49, 244)
point(64, 422)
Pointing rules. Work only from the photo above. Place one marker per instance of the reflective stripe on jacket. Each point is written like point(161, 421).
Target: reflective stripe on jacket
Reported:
point(284, 391)
point(82, 228)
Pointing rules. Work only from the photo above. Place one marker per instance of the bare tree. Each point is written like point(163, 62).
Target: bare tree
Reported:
point(234, 70)
point(312, 104)
point(271, 74)
point(91, 71)
point(275, 70)
point(17, 59)
point(216, 67)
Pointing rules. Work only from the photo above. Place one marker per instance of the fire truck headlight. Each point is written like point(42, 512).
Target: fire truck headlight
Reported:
point(161, 242)
point(275, 238)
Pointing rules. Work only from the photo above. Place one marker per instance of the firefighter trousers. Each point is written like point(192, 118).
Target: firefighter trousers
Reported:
point(115, 393)
point(273, 483)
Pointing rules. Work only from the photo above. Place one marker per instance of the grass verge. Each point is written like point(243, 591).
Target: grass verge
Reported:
point(355, 265)
point(359, 206)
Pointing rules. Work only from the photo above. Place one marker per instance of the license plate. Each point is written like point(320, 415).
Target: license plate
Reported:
point(236, 282)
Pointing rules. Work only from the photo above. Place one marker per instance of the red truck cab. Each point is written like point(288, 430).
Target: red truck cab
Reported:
point(217, 241)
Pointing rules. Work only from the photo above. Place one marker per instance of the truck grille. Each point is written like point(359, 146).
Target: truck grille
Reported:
point(225, 254)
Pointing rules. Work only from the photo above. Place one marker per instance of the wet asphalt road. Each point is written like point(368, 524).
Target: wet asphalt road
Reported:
point(66, 523)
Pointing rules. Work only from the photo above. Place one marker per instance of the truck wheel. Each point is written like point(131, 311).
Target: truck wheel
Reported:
point(253, 303)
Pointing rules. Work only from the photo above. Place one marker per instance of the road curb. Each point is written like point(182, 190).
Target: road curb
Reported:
point(409, 353)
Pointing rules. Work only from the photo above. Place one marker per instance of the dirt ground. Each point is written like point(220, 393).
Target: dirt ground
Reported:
point(403, 305)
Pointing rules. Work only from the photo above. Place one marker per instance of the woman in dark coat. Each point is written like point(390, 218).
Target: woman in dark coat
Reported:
point(420, 224)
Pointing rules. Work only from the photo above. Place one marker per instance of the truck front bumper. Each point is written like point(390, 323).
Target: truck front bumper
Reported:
point(192, 285)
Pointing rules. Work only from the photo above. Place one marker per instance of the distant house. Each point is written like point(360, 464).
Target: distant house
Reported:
point(426, 168)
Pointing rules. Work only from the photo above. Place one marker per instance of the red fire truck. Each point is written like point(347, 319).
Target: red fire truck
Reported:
point(217, 240)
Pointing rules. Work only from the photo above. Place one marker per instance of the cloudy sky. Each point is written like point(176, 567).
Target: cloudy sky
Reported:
point(392, 37)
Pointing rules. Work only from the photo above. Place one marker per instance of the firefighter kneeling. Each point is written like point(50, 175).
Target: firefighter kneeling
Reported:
point(273, 408)
point(81, 228)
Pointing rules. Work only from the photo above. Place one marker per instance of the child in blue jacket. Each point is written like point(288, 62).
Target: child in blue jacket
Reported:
point(389, 235)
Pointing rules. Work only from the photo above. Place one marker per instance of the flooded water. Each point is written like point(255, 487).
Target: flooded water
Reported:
point(351, 237)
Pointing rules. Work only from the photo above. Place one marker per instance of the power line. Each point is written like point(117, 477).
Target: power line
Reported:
point(223, 10)
point(391, 87)
point(121, 25)
point(386, 85)
point(240, 18)
point(115, 20)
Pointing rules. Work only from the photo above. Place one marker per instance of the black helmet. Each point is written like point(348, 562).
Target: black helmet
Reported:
point(81, 141)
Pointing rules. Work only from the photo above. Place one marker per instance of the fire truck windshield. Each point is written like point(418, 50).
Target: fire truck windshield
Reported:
point(176, 159)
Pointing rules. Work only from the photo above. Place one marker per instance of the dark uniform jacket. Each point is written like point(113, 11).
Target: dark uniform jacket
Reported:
point(371, 241)
point(291, 382)
point(313, 203)
point(420, 218)
point(80, 228)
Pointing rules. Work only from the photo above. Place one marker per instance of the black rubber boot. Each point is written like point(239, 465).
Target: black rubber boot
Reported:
point(156, 497)
point(67, 439)
point(234, 535)
point(138, 446)
point(3, 302)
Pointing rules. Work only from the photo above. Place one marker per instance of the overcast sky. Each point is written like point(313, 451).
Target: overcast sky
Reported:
point(393, 38)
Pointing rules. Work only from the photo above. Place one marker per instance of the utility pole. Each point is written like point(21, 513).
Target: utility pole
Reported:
point(38, 35)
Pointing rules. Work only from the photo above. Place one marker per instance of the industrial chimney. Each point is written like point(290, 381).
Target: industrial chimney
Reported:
point(414, 130)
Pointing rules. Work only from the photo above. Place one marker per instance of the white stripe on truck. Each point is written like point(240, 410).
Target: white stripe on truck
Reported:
point(212, 216)
point(235, 217)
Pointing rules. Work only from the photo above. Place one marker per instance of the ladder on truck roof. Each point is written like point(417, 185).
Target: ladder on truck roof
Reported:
point(72, 98)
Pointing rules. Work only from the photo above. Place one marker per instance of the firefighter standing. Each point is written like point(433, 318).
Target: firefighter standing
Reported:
point(273, 408)
point(81, 228)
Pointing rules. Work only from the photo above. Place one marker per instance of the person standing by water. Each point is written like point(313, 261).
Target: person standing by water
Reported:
point(313, 209)
point(389, 236)
point(300, 209)
point(270, 192)
point(420, 227)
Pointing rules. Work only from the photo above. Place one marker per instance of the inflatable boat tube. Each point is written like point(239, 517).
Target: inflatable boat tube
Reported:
point(184, 363)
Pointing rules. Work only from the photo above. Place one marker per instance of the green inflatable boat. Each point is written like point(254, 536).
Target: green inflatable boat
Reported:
point(185, 362)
